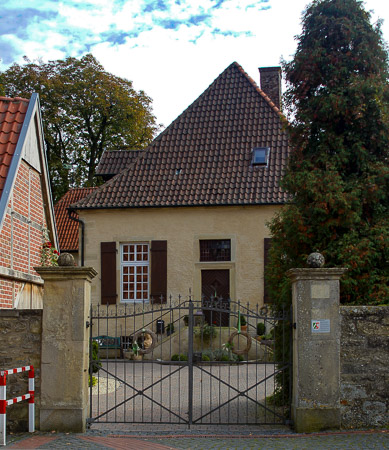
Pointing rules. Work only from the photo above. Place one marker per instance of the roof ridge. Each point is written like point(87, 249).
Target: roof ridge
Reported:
point(260, 91)
point(194, 102)
point(14, 99)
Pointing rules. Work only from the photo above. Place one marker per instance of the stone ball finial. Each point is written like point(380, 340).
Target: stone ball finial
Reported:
point(315, 260)
point(65, 260)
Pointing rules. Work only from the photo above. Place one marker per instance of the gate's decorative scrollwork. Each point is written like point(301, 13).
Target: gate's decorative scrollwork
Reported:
point(217, 303)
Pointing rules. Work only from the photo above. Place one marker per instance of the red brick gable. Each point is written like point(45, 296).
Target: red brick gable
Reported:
point(26, 214)
point(21, 234)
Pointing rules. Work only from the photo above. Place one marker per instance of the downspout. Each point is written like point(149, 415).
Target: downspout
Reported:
point(70, 211)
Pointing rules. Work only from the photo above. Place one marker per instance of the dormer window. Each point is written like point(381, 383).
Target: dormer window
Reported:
point(261, 156)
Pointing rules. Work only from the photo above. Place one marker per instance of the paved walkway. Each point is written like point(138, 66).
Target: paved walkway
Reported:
point(165, 393)
point(215, 438)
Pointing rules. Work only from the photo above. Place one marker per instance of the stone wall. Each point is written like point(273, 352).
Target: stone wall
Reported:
point(364, 366)
point(20, 345)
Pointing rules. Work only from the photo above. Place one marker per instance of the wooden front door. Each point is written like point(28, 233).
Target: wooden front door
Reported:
point(215, 290)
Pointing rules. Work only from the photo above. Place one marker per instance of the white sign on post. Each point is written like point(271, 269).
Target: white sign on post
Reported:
point(320, 326)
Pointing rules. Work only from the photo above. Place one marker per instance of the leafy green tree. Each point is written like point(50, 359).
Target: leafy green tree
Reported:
point(338, 172)
point(85, 111)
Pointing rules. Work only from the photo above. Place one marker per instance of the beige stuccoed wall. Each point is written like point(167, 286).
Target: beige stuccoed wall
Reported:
point(183, 228)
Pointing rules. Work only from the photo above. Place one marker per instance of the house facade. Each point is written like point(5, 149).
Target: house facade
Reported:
point(26, 212)
point(189, 215)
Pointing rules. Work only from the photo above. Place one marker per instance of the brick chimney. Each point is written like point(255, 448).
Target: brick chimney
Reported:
point(270, 80)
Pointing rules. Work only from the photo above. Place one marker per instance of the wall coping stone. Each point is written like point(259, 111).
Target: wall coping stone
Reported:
point(316, 273)
point(66, 273)
point(19, 312)
point(359, 308)
point(16, 275)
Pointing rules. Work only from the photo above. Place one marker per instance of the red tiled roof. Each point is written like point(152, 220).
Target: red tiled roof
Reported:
point(67, 229)
point(113, 162)
point(12, 114)
point(204, 157)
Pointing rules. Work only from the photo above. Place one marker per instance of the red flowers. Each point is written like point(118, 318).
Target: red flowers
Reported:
point(49, 254)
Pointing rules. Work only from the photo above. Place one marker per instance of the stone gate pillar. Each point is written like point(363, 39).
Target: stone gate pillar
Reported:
point(65, 347)
point(316, 348)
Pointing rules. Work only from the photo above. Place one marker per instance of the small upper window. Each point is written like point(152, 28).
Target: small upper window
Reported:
point(215, 250)
point(261, 156)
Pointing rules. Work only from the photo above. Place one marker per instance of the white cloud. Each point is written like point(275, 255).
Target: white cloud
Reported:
point(164, 62)
point(91, 19)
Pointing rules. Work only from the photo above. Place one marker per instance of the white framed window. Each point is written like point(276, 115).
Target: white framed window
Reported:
point(134, 272)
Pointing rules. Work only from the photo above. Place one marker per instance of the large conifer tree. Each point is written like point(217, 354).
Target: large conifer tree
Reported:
point(338, 175)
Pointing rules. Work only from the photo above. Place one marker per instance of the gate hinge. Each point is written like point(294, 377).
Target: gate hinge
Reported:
point(87, 324)
point(294, 325)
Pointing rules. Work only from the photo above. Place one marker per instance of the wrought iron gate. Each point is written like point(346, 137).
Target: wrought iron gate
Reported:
point(166, 364)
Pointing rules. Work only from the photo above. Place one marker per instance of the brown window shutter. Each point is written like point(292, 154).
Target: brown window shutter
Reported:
point(266, 246)
point(108, 273)
point(158, 271)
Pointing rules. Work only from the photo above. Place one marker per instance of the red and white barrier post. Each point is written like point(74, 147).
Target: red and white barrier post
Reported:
point(3, 405)
point(4, 402)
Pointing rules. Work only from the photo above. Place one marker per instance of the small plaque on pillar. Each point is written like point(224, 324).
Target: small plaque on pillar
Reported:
point(320, 326)
point(320, 290)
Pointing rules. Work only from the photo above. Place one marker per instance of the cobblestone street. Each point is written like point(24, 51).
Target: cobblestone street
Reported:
point(206, 438)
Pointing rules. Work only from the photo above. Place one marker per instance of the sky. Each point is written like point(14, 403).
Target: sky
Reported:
point(170, 49)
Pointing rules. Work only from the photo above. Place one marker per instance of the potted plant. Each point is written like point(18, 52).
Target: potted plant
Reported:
point(206, 332)
point(261, 329)
point(169, 329)
point(268, 339)
point(243, 323)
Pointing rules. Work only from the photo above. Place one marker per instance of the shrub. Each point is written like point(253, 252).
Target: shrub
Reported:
point(206, 331)
point(261, 329)
point(179, 357)
point(224, 355)
point(96, 364)
point(208, 354)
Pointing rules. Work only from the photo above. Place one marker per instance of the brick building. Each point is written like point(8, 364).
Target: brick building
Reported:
point(26, 209)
